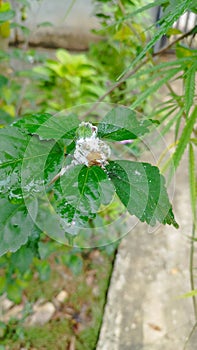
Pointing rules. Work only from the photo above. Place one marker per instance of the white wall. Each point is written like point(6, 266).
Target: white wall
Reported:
point(70, 30)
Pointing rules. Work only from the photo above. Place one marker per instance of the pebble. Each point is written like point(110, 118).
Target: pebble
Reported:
point(42, 314)
point(14, 312)
point(5, 303)
point(62, 296)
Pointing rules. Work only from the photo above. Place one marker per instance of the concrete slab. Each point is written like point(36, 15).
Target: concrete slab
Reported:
point(143, 309)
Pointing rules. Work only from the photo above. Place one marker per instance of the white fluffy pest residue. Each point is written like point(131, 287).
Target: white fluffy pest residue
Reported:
point(89, 150)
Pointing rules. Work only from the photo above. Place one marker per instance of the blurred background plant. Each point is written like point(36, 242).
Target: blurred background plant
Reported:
point(123, 67)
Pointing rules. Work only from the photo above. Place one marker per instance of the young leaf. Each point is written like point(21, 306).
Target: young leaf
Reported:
point(121, 123)
point(141, 188)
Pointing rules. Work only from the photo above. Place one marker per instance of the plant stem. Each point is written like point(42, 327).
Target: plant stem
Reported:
point(181, 37)
point(135, 70)
point(113, 87)
point(191, 269)
point(190, 335)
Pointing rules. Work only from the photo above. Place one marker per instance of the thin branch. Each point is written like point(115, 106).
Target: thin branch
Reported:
point(191, 269)
point(121, 6)
point(190, 335)
point(134, 70)
point(113, 87)
point(181, 37)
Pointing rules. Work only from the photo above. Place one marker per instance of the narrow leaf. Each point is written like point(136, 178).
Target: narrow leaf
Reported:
point(143, 96)
point(166, 22)
point(190, 86)
point(184, 139)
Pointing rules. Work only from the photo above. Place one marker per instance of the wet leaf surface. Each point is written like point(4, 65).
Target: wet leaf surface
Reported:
point(141, 188)
point(121, 123)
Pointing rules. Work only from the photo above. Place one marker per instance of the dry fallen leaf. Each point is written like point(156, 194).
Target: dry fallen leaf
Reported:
point(155, 327)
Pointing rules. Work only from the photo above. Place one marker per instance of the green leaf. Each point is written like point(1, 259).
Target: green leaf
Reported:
point(184, 139)
point(165, 22)
point(144, 95)
point(121, 123)
point(185, 52)
point(2, 284)
point(141, 188)
point(173, 120)
point(6, 16)
point(82, 191)
point(15, 227)
point(189, 77)
point(14, 293)
point(50, 127)
point(44, 270)
point(190, 294)
point(22, 258)
point(3, 80)
point(45, 24)
point(47, 248)
point(140, 10)
point(74, 262)
point(40, 160)
point(26, 31)
point(192, 181)
point(13, 145)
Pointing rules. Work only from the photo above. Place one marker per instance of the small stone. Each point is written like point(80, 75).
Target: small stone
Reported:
point(62, 296)
point(15, 312)
point(5, 303)
point(42, 314)
point(96, 291)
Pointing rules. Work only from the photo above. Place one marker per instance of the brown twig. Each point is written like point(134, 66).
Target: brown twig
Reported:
point(134, 70)
point(181, 37)
point(113, 87)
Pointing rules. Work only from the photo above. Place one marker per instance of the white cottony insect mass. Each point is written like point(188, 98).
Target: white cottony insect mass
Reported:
point(90, 150)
